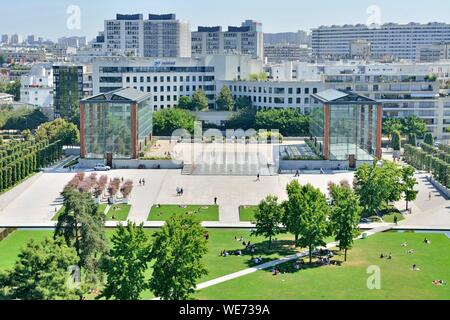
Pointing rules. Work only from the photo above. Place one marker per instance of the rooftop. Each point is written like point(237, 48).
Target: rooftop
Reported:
point(120, 95)
point(333, 96)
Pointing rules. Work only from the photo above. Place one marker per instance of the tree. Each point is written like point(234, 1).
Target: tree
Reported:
point(396, 141)
point(41, 272)
point(225, 100)
point(412, 140)
point(377, 186)
point(166, 121)
point(126, 263)
point(242, 102)
point(391, 126)
point(429, 139)
point(290, 123)
point(59, 129)
point(409, 182)
point(2, 59)
point(268, 217)
point(23, 119)
point(414, 125)
point(185, 103)
point(244, 119)
point(82, 225)
point(199, 101)
point(306, 214)
point(345, 216)
point(178, 250)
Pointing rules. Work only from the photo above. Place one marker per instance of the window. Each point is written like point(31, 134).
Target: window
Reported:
point(155, 89)
point(148, 79)
point(306, 90)
point(141, 79)
point(134, 79)
point(161, 79)
point(290, 91)
point(128, 80)
point(299, 90)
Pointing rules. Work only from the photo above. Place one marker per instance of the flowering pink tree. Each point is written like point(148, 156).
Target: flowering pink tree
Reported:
point(113, 187)
point(126, 188)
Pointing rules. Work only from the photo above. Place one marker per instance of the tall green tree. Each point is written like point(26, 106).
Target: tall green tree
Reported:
point(429, 139)
point(178, 250)
point(391, 126)
point(396, 141)
point(376, 186)
point(40, 273)
point(225, 99)
point(185, 103)
point(242, 102)
point(126, 263)
point(199, 100)
point(83, 227)
point(345, 216)
point(59, 129)
point(409, 182)
point(414, 125)
point(306, 216)
point(269, 217)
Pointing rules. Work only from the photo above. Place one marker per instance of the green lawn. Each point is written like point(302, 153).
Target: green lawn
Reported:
point(220, 239)
point(203, 213)
point(390, 217)
point(118, 212)
point(398, 281)
point(349, 281)
point(101, 208)
point(247, 213)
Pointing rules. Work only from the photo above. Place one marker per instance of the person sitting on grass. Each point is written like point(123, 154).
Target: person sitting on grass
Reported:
point(238, 253)
point(382, 256)
point(276, 271)
point(404, 244)
point(415, 268)
point(439, 283)
point(426, 241)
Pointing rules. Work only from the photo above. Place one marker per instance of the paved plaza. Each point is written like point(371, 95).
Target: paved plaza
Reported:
point(34, 202)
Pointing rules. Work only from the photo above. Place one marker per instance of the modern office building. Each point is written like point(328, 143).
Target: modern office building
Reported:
point(74, 42)
point(169, 79)
point(115, 125)
point(346, 126)
point(248, 39)
point(68, 90)
point(37, 87)
point(161, 36)
point(397, 40)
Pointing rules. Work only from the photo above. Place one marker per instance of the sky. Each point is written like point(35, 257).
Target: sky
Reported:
point(56, 18)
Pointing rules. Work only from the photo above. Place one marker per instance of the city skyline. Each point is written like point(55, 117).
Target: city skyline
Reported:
point(300, 16)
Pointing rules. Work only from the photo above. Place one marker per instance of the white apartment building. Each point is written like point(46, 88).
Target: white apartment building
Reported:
point(169, 79)
point(161, 36)
point(398, 40)
point(248, 39)
point(37, 87)
point(433, 52)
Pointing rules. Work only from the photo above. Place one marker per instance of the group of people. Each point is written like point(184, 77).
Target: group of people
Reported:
point(141, 182)
point(226, 253)
point(180, 192)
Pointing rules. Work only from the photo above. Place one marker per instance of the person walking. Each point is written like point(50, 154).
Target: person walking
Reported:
point(215, 201)
point(395, 220)
point(143, 182)
point(429, 196)
point(258, 177)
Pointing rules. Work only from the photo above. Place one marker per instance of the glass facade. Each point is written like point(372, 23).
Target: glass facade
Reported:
point(108, 130)
point(345, 130)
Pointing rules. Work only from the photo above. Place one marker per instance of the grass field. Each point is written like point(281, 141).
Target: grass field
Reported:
point(349, 281)
point(247, 213)
point(101, 208)
point(118, 212)
point(203, 213)
point(220, 239)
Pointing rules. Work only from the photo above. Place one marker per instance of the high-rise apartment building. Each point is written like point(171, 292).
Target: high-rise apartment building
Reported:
point(159, 36)
point(5, 39)
point(248, 39)
point(397, 40)
point(68, 90)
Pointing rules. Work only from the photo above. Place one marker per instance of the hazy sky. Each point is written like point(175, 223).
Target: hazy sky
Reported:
point(48, 18)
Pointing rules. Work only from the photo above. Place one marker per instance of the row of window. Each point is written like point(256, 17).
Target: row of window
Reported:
point(167, 79)
point(271, 90)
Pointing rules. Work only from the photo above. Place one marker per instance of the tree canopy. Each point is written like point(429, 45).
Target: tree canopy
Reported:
point(166, 121)
point(199, 101)
point(40, 273)
point(178, 250)
point(59, 129)
point(224, 100)
point(269, 217)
